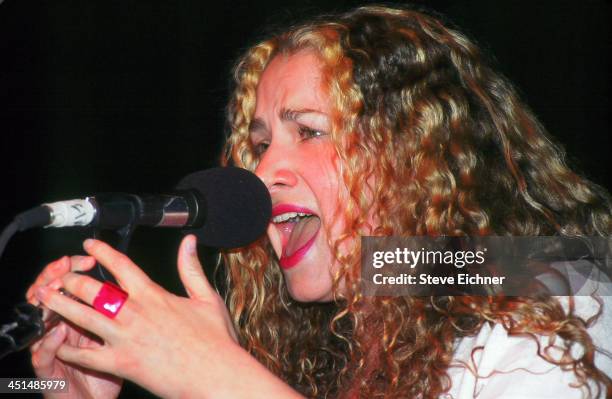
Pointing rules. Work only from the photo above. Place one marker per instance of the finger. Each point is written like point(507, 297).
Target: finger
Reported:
point(36, 345)
point(76, 312)
point(77, 336)
point(57, 269)
point(44, 355)
point(83, 287)
point(190, 270)
point(125, 271)
point(51, 272)
point(80, 263)
point(91, 358)
point(86, 289)
point(56, 285)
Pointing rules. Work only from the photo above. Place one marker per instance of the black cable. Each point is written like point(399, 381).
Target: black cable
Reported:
point(6, 235)
point(35, 217)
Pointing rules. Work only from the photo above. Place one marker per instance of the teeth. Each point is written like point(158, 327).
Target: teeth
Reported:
point(289, 216)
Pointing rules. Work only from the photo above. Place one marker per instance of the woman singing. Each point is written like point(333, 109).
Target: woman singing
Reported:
point(377, 122)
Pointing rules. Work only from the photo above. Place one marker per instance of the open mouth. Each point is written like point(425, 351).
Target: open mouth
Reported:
point(298, 228)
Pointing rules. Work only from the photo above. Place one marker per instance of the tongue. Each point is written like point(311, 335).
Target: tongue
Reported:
point(302, 232)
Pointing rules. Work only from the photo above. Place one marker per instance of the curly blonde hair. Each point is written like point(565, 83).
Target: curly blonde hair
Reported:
point(454, 152)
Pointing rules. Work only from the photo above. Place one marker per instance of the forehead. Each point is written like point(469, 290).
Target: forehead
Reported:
point(292, 81)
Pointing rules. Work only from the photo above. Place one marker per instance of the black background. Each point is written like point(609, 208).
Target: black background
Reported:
point(129, 96)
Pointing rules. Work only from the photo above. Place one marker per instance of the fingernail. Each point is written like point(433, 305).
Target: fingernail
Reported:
point(53, 331)
point(61, 328)
point(41, 292)
point(190, 245)
point(56, 284)
point(88, 243)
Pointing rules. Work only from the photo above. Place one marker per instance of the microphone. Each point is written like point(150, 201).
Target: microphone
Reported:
point(224, 207)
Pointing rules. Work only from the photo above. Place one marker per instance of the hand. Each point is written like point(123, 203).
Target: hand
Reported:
point(83, 383)
point(161, 341)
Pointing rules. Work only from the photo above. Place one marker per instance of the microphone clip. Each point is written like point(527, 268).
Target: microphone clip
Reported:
point(26, 327)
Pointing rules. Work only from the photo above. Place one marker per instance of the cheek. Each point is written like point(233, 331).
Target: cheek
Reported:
point(331, 193)
point(334, 197)
point(323, 177)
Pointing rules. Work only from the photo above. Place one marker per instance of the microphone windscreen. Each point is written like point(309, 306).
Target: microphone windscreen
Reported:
point(237, 205)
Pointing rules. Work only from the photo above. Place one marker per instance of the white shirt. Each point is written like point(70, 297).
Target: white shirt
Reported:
point(508, 367)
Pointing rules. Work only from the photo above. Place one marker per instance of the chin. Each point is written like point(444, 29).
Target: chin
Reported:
point(309, 290)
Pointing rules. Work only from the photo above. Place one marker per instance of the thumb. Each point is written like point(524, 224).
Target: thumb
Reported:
point(190, 270)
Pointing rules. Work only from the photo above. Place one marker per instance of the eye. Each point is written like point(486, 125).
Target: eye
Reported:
point(260, 148)
point(308, 133)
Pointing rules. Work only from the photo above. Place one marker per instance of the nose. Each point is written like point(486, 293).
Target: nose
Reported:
point(275, 169)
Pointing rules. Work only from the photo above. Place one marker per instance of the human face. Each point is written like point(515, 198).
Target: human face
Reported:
point(298, 163)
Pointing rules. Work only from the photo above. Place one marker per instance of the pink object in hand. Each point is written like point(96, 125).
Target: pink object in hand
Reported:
point(109, 300)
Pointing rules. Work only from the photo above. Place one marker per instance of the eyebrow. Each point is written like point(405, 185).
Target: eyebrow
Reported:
point(285, 114)
point(257, 125)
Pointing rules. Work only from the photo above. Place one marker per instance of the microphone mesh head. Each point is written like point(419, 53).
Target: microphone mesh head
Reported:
point(237, 205)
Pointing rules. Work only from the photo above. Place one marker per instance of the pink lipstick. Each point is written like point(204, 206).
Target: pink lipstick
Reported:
point(299, 227)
